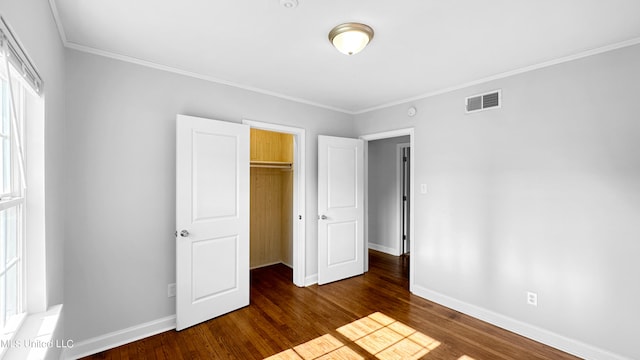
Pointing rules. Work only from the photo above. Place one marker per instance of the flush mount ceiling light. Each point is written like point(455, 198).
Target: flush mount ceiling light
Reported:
point(350, 38)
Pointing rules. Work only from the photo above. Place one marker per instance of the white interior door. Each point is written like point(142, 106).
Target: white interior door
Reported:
point(340, 208)
point(212, 219)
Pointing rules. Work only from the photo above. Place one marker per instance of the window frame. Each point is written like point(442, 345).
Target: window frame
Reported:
point(14, 199)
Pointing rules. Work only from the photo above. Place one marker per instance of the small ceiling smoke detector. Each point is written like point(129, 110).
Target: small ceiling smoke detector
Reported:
point(289, 4)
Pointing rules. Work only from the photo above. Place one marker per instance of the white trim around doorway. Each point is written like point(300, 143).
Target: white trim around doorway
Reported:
point(412, 161)
point(299, 205)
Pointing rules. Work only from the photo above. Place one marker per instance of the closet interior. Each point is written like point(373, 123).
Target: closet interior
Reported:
point(271, 226)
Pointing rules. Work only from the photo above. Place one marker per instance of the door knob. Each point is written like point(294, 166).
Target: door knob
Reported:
point(184, 233)
point(323, 217)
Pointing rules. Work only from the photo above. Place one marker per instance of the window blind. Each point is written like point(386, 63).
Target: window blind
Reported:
point(14, 56)
point(18, 57)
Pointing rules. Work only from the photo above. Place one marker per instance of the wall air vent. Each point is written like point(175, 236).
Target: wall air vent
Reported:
point(486, 101)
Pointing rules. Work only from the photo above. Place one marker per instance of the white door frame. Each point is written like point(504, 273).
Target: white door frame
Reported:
point(299, 205)
point(412, 161)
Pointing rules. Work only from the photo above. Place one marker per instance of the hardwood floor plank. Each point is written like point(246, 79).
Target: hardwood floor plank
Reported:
point(283, 317)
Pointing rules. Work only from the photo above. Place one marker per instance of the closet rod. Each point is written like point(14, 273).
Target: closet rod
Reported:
point(271, 164)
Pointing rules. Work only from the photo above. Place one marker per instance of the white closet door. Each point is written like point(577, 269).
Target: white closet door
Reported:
point(340, 208)
point(212, 219)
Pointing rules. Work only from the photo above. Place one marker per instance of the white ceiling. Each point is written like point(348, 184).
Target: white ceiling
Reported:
point(420, 47)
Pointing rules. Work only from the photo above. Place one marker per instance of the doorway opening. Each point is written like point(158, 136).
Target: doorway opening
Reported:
point(389, 196)
point(271, 199)
point(277, 197)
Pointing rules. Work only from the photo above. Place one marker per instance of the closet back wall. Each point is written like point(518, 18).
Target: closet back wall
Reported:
point(271, 198)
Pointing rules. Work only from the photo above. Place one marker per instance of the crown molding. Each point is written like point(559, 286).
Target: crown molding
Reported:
point(56, 19)
point(580, 55)
point(150, 64)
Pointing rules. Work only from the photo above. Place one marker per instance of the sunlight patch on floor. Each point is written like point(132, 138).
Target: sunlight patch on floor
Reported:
point(378, 334)
point(317, 347)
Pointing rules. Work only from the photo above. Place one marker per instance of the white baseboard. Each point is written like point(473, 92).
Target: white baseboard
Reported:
point(385, 249)
point(265, 265)
point(270, 264)
point(571, 346)
point(546, 337)
point(118, 338)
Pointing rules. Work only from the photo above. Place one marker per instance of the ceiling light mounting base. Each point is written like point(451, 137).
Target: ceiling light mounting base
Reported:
point(289, 4)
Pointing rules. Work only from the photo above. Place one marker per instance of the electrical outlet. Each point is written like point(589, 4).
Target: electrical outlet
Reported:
point(532, 298)
point(171, 290)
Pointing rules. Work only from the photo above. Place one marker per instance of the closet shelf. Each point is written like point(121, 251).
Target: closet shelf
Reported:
point(271, 164)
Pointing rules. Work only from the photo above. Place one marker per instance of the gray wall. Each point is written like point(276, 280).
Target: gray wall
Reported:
point(33, 24)
point(121, 248)
point(384, 202)
point(541, 195)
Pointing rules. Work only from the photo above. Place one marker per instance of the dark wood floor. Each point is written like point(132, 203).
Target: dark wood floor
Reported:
point(282, 316)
